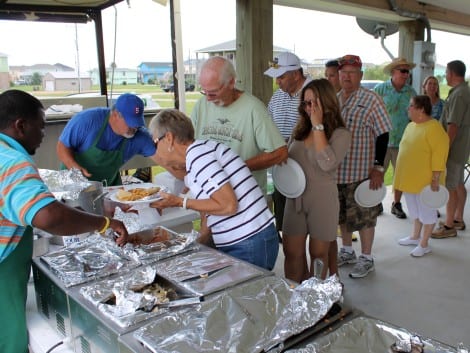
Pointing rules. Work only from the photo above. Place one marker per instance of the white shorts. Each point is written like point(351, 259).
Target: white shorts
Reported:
point(417, 210)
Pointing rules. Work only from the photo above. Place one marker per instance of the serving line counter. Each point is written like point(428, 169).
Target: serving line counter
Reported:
point(234, 303)
point(220, 304)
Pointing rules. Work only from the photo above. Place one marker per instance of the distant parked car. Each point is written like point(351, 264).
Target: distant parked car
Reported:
point(370, 84)
point(189, 87)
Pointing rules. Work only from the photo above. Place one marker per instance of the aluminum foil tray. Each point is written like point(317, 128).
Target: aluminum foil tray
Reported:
point(368, 335)
point(158, 243)
point(208, 271)
point(123, 300)
point(94, 258)
point(252, 317)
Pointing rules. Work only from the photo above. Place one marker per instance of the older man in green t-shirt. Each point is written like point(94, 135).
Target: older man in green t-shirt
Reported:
point(237, 119)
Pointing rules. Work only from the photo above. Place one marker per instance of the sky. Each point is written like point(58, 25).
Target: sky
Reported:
point(143, 34)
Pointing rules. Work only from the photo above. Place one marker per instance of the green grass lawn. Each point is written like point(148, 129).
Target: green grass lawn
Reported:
point(388, 177)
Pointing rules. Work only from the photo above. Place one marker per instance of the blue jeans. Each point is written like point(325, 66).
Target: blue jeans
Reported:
point(260, 249)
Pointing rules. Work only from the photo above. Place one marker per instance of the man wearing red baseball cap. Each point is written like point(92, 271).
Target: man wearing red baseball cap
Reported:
point(98, 141)
point(366, 117)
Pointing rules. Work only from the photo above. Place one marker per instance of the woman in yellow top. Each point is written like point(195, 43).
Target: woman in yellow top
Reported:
point(421, 161)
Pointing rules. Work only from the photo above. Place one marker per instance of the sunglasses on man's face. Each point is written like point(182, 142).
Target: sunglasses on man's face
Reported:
point(404, 71)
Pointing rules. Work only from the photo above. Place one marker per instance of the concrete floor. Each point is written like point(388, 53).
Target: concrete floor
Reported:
point(428, 295)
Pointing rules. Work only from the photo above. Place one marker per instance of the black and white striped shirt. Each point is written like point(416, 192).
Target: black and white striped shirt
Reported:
point(210, 165)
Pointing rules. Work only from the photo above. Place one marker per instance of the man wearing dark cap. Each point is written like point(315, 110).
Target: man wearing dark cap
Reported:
point(98, 141)
point(284, 108)
point(396, 94)
point(366, 117)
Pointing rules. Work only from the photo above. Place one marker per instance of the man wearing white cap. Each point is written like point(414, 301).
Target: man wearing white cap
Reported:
point(237, 119)
point(396, 94)
point(283, 108)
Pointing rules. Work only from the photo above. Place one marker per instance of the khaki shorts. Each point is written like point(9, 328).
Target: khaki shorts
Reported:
point(391, 156)
point(454, 174)
point(351, 214)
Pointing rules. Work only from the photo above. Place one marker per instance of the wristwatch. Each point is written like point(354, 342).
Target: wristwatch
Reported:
point(318, 127)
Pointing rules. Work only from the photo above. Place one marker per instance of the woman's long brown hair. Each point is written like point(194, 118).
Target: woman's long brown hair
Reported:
point(332, 118)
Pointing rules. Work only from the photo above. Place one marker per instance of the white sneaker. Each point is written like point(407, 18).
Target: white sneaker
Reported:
point(408, 241)
point(419, 251)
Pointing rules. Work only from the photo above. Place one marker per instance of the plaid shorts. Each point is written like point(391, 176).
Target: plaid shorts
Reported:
point(351, 214)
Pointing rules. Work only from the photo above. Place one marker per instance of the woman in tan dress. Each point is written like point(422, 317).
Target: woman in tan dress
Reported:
point(319, 143)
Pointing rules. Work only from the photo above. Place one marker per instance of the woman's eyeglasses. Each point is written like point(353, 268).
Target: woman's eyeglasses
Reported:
point(305, 104)
point(158, 139)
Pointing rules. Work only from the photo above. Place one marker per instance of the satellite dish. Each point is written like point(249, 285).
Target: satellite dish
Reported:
point(378, 30)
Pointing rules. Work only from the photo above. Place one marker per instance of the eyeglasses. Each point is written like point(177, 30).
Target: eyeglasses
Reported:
point(404, 71)
point(305, 104)
point(158, 139)
point(130, 130)
point(214, 92)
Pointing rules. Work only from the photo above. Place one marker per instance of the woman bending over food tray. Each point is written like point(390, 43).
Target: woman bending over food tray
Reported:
point(234, 212)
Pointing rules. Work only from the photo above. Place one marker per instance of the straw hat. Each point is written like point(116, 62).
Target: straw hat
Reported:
point(398, 62)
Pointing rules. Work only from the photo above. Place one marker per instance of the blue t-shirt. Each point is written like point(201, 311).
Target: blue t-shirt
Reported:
point(82, 129)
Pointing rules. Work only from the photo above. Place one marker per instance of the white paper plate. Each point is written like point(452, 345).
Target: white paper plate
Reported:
point(113, 193)
point(433, 199)
point(366, 197)
point(289, 178)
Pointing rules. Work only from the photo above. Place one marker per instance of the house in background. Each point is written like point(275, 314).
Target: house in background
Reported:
point(154, 71)
point(4, 72)
point(66, 81)
point(25, 73)
point(119, 76)
point(227, 50)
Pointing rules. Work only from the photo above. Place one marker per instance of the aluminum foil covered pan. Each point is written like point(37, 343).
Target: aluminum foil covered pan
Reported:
point(368, 335)
point(208, 271)
point(95, 257)
point(159, 243)
point(254, 316)
point(136, 296)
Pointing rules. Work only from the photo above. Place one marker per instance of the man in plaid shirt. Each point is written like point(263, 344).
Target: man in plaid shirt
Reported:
point(366, 117)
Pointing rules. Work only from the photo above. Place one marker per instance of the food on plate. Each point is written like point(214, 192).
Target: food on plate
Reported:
point(136, 194)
